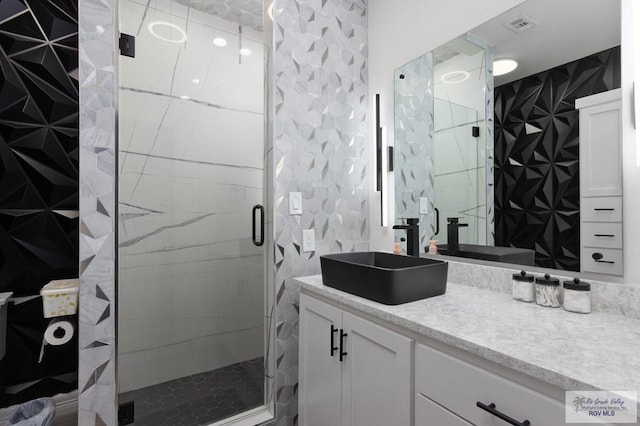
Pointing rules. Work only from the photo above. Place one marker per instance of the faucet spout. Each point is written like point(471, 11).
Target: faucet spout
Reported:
point(413, 236)
point(453, 246)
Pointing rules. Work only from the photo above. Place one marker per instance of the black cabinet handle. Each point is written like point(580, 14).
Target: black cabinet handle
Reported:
point(603, 210)
point(604, 235)
point(598, 258)
point(491, 408)
point(333, 342)
point(257, 242)
point(343, 353)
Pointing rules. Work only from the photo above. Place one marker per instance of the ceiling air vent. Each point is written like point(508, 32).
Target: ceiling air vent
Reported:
point(521, 24)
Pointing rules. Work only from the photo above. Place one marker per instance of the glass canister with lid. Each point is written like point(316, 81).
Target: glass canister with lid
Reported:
point(577, 296)
point(523, 289)
point(548, 291)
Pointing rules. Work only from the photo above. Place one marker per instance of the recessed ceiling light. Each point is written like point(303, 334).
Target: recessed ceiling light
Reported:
point(245, 52)
point(184, 97)
point(454, 77)
point(220, 42)
point(156, 26)
point(503, 66)
point(195, 81)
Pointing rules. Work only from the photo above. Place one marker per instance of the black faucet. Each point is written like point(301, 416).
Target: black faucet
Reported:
point(413, 236)
point(453, 246)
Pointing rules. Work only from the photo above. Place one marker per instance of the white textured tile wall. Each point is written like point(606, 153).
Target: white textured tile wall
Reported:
point(97, 77)
point(320, 148)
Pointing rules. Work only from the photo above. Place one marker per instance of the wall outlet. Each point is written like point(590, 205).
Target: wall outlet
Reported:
point(424, 205)
point(295, 203)
point(308, 240)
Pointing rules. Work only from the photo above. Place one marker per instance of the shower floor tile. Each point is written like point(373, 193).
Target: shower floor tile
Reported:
point(202, 398)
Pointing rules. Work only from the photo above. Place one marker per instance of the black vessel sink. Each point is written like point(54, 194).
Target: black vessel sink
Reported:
point(497, 254)
point(386, 278)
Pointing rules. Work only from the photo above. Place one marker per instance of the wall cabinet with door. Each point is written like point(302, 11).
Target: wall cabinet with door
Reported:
point(601, 182)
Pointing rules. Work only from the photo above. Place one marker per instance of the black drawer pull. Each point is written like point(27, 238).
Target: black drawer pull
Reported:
point(604, 235)
point(491, 408)
point(603, 210)
point(606, 261)
point(343, 353)
point(333, 343)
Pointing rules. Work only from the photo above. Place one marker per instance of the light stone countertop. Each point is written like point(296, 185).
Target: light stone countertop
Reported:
point(572, 351)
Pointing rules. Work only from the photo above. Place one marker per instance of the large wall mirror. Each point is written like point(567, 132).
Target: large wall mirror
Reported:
point(501, 153)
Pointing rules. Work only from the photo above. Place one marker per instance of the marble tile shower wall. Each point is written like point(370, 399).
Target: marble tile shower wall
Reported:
point(191, 169)
point(320, 148)
point(414, 143)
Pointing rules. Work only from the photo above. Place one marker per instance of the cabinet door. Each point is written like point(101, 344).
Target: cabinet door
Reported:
point(600, 150)
point(319, 400)
point(376, 375)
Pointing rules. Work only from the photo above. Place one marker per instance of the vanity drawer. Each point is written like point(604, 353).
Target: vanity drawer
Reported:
point(601, 209)
point(459, 386)
point(602, 234)
point(428, 413)
point(610, 263)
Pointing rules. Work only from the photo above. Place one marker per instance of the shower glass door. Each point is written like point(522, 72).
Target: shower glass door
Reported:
point(191, 292)
point(459, 171)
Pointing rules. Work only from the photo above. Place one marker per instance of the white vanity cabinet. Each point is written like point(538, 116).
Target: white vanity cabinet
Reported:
point(601, 182)
point(464, 389)
point(352, 372)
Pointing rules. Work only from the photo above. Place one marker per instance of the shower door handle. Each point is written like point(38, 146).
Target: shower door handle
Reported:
point(256, 241)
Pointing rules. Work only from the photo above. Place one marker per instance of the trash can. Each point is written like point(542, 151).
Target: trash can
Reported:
point(39, 412)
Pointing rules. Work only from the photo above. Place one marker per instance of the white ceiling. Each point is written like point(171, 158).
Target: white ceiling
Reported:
point(567, 30)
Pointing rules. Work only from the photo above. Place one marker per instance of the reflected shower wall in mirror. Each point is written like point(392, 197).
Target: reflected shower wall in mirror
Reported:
point(536, 201)
point(440, 133)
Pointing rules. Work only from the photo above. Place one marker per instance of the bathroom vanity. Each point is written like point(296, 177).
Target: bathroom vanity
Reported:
point(447, 359)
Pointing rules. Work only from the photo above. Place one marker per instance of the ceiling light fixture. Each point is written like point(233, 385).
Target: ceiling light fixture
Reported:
point(154, 26)
point(220, 42)
point(245, 52)
point(503, 66)
point(454, 77)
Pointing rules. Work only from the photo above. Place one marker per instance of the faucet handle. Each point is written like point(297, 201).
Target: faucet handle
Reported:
point(412, 221)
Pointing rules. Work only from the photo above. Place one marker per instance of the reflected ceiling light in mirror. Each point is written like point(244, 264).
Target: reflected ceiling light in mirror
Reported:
point(195, 81)
point(184, 97)
point(244, 51)
point(157, 28)
point(454, 77)
point(220, 42)
point(270, 11)
point(503, 66)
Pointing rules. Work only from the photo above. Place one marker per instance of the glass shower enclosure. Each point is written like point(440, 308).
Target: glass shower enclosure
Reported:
point(191, 269)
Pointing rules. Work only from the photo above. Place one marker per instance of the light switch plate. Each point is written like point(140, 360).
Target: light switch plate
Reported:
point(295, 203)
point(424, 205)
point(308, 240)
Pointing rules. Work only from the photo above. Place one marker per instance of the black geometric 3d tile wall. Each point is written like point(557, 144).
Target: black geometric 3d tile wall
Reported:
point(537, 186)
point(38, 185)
